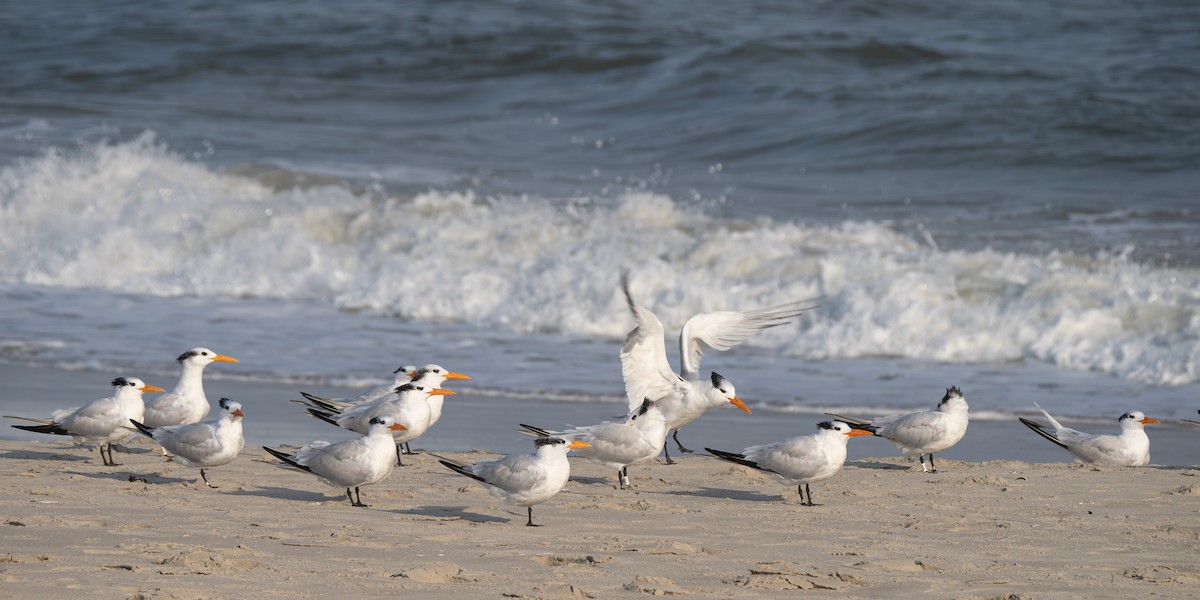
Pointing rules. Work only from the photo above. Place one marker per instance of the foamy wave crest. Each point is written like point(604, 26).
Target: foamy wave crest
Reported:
point(138, 218)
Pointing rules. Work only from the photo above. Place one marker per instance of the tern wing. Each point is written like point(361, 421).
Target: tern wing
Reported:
point(511, 473)
point(722, 330)
point(644, 362)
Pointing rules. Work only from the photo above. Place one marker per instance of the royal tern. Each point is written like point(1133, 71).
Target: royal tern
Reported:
point(1130, 448)
point(433, 376)
point(430, 375)
point(683, 397)
point(635, 441)
point(408, 406)
point(351, 463)
point(524, 479)
point(100, 422)
point(187, 402)
point(210, 443)
point(921, 433)
point(801, 460)
point(401, 375)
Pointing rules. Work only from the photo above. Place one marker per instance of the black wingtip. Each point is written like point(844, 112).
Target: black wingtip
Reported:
point(1039, 429)
point(324, 416)
point(461, 470)
point(313, 398)
point(146, 431)
point(538, 430)
point(625, 275)
point(734, 458)
point(287, 458)
point(53, 429)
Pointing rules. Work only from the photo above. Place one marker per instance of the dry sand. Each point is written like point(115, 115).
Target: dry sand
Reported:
point(700, 528)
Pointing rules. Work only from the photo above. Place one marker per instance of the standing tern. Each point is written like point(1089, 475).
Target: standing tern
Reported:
point(102, 421)
point(801, 460)
point(351, 463)
point(187, 402)
point(635, 441)
point(683, 397)
point(401, 375)
point(408, 405)
point(434, 376)
point(524, 479)
point(210, 443)
point(1130, 448)
point(924, 432)
point(430, 375)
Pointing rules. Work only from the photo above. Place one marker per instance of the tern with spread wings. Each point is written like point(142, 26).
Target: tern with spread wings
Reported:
point(684, 397)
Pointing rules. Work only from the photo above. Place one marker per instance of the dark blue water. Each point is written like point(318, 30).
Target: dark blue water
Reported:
point(998, 124)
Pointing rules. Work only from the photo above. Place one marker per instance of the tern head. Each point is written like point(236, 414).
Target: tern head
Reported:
point(233, 408)
point(1136, 418)
point(133, 384)
point(421, 387)
point(435, 375)
point(841, 429)
point(953, 400)
point(202, 357)
point(554, 442)
point(641, 410)
point(725, 389)
point(386, 422)
point(405, 370)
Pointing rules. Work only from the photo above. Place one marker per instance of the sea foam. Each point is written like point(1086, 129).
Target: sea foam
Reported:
point(136, 217)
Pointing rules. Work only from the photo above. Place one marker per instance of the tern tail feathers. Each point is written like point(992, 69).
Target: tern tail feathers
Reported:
point(1039, 429)
point(53, 428)
point(461, 470)
point(734, 458)
point(287, 459)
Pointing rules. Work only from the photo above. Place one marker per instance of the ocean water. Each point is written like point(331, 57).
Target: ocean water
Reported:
point(997, 196)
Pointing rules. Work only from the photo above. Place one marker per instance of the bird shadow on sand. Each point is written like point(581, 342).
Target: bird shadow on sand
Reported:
point(867, 464)
point(134, 477)
point(132, 450)
point(34, 455)
point(450, 513)
point(287, 494)
point(593, 480)
point(709, 492)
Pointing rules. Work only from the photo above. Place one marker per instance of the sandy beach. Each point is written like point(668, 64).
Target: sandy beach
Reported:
point(699, 528)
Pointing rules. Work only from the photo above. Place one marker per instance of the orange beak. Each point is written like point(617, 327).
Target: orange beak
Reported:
point(155, 388)
point(223, 358)
point(440, 392)
point(738, 403)
point(453, 375)
point(397, 427)
point(1148, 421)
point(578, 445)
point(858, 432)
point(238, 413)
